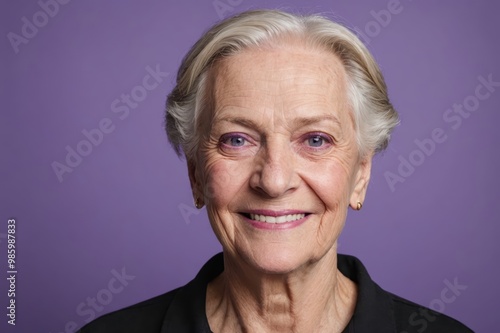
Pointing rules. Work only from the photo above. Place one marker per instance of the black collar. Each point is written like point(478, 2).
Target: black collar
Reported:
point(374, 307)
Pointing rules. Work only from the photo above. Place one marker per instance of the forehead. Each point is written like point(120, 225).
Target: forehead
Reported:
point(288, 76)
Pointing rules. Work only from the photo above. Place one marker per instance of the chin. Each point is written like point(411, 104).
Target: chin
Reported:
point(277, 261)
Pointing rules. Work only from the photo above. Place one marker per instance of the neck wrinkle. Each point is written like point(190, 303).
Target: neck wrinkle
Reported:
point(315, 299)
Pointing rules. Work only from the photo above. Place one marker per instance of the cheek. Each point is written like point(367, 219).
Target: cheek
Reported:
point(333, 191)
point(223, 182)
point(331, 180)
point(223, 179)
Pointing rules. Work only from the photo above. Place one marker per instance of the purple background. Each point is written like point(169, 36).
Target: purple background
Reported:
point(122, 206)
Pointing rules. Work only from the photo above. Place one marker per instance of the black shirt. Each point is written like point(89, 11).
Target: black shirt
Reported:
point(183, 310)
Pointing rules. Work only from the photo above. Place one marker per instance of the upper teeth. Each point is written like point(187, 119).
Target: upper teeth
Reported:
point(277, 219)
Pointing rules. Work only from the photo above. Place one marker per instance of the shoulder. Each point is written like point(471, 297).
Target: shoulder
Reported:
point(143, 317)
point(378, 310)
point(179, 310)
point(412, 318)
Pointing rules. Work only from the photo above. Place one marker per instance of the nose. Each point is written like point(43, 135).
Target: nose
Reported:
point(275, 170)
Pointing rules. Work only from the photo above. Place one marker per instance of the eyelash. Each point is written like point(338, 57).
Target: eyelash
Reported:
point(327, 140)
point(224, 139)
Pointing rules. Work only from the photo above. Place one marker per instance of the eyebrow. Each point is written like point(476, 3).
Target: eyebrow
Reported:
point(305, 121)
point(297, 122)
point(240, 121)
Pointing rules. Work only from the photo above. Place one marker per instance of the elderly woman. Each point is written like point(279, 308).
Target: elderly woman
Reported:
point(278, 117)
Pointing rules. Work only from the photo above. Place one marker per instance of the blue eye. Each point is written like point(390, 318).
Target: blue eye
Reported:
point(316, 141)
point(233, 140)
point(236, 141)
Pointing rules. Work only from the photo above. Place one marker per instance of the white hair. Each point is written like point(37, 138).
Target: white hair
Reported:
point(373, 114)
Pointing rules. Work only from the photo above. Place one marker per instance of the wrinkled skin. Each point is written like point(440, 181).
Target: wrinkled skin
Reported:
point(279, 137)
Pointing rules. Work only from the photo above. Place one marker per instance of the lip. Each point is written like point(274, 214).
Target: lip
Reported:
point(274, 213)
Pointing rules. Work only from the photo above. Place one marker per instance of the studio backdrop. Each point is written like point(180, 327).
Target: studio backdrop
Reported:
point(98, 207)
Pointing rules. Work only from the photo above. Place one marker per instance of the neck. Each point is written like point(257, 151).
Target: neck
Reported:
point(314, 298)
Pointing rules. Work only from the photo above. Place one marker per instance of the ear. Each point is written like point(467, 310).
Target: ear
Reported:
point(362, 178)
point(196, 184)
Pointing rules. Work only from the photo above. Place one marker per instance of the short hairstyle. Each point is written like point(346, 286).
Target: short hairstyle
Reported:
point(373, 115)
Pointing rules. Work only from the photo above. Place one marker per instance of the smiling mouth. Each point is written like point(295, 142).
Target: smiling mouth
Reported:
point(275, 219)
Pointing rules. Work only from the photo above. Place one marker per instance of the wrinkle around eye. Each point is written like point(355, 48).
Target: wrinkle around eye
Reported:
point(235, 143)
point(326, 150)
point(317, 139)
point(327, 141)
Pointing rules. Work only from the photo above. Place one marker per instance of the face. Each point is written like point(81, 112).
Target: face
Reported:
point(278, 163)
